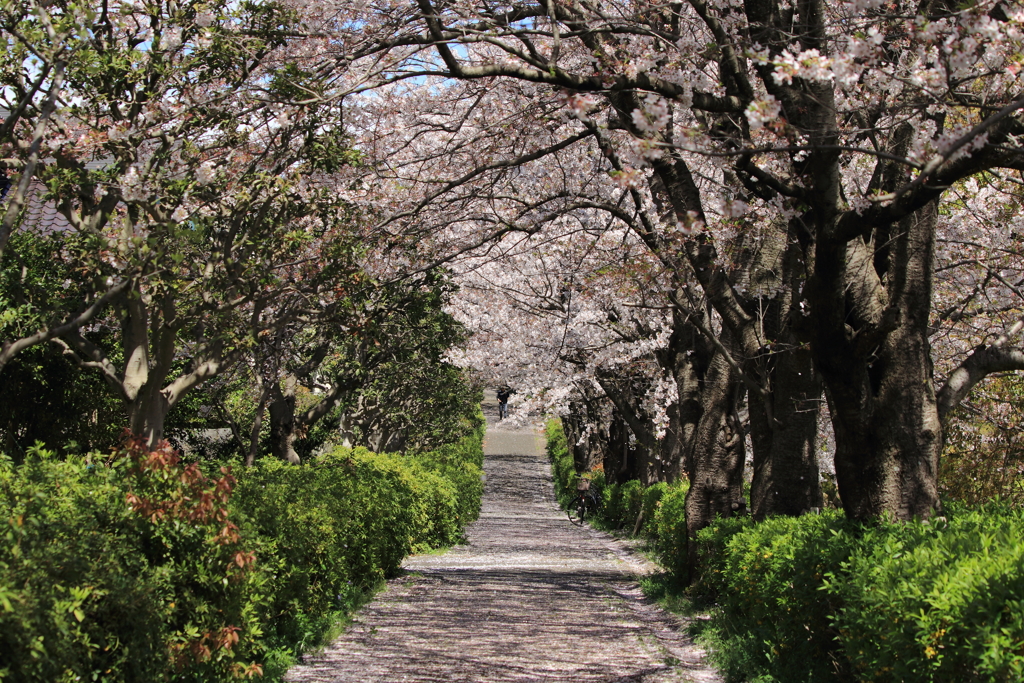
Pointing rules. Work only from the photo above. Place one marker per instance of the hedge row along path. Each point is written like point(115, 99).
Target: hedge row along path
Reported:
point(530, 598)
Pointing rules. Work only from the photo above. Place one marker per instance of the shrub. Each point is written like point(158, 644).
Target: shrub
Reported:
point(329, 530)
point(139, 567)
point(767, 579)
point(936, 602)
point(622, 504)
point(823, 598)
point(128, 570)
point(333, 528)
point(667, 528)
point(461, 464)
point(563, 469)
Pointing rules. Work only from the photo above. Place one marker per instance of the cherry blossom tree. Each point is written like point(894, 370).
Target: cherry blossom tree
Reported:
point(840, 126)
point(562, 192)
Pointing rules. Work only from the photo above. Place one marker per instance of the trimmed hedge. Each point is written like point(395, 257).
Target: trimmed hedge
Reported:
point(821, 597)
point(136, 567)
point(562, 467)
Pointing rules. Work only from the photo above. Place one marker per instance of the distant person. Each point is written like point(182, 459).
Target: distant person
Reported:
point(503, 394)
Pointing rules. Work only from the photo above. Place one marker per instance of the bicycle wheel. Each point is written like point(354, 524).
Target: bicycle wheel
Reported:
point(577, 511)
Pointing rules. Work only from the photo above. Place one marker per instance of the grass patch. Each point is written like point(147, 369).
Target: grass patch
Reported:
point(664, 589)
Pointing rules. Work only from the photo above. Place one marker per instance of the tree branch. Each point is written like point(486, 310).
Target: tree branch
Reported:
point(9, 349)
point(982, 362)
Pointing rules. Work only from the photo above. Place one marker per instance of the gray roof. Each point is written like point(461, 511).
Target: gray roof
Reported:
point(41, 216)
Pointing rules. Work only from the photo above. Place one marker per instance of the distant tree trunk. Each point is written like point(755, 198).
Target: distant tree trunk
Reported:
point(282, 420)
point(674, 446)
point(583, 433)
point(872, 348)
point(620, 459)
point(645, 448)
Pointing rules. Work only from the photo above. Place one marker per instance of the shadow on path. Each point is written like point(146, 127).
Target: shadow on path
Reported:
point(530, 597)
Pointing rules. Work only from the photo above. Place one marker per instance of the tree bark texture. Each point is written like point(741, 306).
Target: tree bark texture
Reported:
point(871, 346)
point(716, 474)
point(784, 418)
point(785, 464)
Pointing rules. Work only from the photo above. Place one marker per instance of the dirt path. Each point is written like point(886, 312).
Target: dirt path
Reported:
point(529, 598)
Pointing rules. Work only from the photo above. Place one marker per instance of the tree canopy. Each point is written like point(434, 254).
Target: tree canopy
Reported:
point(696, 229)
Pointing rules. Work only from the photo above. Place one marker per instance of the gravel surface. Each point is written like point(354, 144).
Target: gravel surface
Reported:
point(530, 598)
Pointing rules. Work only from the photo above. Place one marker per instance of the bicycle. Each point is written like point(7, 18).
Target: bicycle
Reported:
point(584, 505)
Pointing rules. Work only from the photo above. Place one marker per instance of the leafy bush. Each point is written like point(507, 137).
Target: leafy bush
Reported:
point(334, 527)
point(129, 570)
point(623, 504)
point(563, 469)
point(140, 567)
point(667, 528)
point(768, 580)
point(329, 530)
point(823, 598)
point(460, 463)
point(936, 602)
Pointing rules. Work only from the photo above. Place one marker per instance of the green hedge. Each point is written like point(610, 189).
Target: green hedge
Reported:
point(136, 567)
point(823, 598)
point(562, 468)
point(127, 570)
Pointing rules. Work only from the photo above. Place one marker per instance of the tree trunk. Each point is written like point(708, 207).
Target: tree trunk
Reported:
point(257, 426)
point(785, 462)
point(878, 371)
point(645, 447)
point(282, 421)
point(147, 414)
point(784, 419)
point(686, 357)
point(676, 445)
point(620, 463)
point(716, 475)
point(587, 447)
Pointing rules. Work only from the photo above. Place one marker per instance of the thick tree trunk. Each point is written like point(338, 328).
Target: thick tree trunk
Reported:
point(878, 373)
point(784, 419)
point(716, 474)
point(148, 413)
point(785, 463)
point(687, 358)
